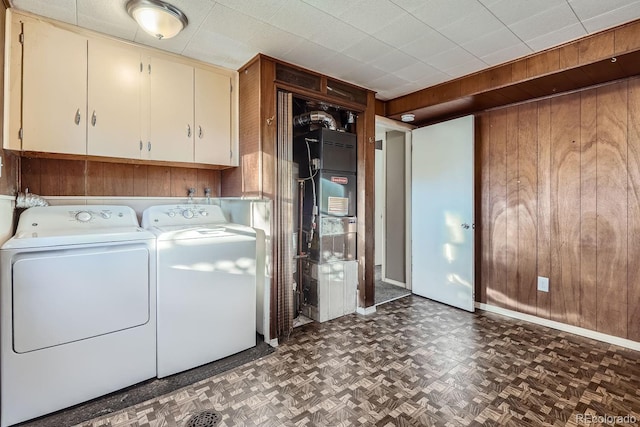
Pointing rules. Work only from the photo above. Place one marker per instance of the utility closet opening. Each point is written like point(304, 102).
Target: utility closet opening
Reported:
point(324, 217)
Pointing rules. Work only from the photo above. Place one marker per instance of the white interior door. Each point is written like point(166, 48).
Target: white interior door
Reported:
point(442, 212)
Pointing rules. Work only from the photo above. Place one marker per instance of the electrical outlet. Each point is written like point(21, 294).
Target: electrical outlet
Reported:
point(543, 284)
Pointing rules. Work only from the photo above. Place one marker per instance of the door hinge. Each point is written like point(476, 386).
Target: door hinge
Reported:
point(20, 133)
point(21, 38)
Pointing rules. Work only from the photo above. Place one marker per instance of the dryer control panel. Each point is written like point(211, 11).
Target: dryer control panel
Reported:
point(187, 214)
point(75, 218)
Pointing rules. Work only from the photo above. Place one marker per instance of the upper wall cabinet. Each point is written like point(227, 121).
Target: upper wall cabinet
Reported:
point(54, 90)
point(71, 91)
point(114, 114)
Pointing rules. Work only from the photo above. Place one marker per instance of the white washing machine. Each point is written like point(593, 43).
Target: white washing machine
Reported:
point(77, 308)
point(206, 285)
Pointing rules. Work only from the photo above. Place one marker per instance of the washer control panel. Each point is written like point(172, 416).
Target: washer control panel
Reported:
point(110, 215)
point(188, 214)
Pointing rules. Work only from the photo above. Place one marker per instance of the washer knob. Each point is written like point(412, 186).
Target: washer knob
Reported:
point(83, 216)
point(105, 214)
point(204, 213)
point(172, 214)
point(188, 213)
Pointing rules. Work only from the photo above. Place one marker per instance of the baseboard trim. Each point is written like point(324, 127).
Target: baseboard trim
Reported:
point(366, 311)
point(587, 333)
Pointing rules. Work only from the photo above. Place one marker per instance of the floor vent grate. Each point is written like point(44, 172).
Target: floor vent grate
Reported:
point(204, 419)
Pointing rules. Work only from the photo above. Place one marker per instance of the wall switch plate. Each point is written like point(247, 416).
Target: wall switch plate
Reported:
point(543, 284)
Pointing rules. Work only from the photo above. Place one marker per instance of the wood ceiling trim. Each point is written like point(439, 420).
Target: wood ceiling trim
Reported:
point(584, 62)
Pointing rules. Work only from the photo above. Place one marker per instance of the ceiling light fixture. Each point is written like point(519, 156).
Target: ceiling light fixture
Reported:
point(408, 117)
point(157, 18)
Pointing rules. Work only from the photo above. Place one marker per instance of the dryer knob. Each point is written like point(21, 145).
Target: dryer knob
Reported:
point(83, 216)
point(188, 213)
point(105, 214)
point(172, 214)
point(204, 213)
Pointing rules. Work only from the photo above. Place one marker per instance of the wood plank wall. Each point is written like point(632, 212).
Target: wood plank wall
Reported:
point(559, 197)
point(53, 177)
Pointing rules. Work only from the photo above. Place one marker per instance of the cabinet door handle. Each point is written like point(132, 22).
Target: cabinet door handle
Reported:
point(188, 131)
point(200, 132)
point(140, 145)
point(149, 146)
point(77, 118)
point(93, 118)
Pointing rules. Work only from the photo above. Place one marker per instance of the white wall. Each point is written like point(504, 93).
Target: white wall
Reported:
point(379, 205)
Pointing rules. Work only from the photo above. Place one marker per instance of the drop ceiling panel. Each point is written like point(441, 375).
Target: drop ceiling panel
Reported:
point(107, 17)
point(542, 23)
point(391, 46)
point(62, 10)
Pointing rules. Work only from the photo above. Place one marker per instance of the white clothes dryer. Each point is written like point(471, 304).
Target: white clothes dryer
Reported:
point(77, 308)
point(206, 285)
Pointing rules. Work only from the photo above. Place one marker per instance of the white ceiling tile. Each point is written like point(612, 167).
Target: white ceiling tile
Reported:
point(107, 17)
point(451, 58)
point(298, 18)
point(219, 49)
point(402, 30)
point(466, 68)
point(62, 10)
point(368, 16)
point(586, 9)
point(471, 26)
point(505, 55)
point(332, 7)
point(613, 18)
point(309, 54)
point(549, 20)
point(231, 23)
point(341, 36)
point(491, 42)
point(273, 41)
point(512, 11)
point(557, 37)
point(392, 60)
point(386, 82)
point(367, 49)
point(432, 80)
point(363, 74)
point(416, 71)
point(263, 10)
point(340, 66)
point(428, 44)
point(440, 13)
point(409, 5)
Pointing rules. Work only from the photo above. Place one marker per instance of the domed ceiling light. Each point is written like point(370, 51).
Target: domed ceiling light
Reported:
point(157, 18)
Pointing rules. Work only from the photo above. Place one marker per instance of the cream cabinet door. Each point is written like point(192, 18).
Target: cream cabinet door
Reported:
point(212, 117)
point(171, 126)
point(54, 99)
point(114, 100)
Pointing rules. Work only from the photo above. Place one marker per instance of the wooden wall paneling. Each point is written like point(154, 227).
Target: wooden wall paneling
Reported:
point(269, 129)
point(611, 206)
point(50, 177)
point(511, 290)
point(627, 38)
point(30, 179)
point(10, 168)
point(72, 177)
point(95, 179)
point(140, 176)
point(118, 179)
point(496, 290)
point(564, 282)
point(182, 179)
point(568, 56)
point(243, 180)
point(588, 259)
point(543, 63)
point(208, 179)
point(527, 207)
point(596, 47)
point(483, 211)
point(158, 181)
point(543, 300)
point(633, 212)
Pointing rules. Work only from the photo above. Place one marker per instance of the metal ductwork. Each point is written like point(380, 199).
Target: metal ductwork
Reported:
point(325, 118)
